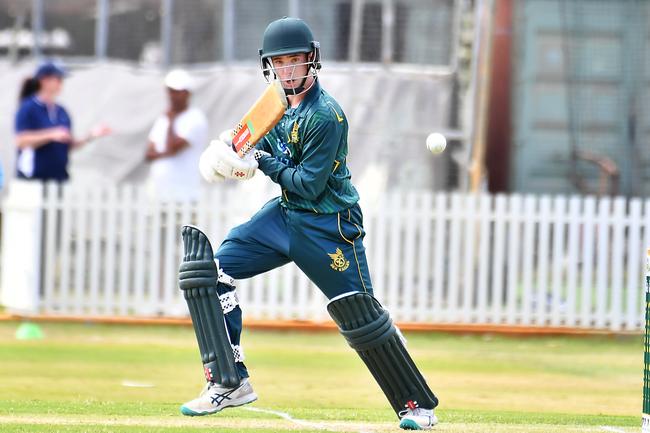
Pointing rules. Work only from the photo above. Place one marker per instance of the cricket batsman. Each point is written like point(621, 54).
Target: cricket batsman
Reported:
point(316, 223)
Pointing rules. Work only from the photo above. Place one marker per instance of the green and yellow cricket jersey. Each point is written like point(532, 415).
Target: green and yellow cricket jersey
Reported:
point(309, 147)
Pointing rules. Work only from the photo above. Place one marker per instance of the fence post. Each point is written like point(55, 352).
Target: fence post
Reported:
point(21, 247)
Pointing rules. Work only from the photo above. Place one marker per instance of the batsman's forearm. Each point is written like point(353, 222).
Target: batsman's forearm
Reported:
point(290, 178)
point(271, 167)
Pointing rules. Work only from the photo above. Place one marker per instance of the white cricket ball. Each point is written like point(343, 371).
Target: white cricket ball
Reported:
point(436, 143)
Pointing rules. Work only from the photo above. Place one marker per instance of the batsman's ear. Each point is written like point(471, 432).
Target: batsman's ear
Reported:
point(265, 65)
point(316, 54)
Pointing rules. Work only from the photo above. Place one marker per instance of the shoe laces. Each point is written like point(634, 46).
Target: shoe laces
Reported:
point(206, 388)
point(209, 385)
point(418, 411)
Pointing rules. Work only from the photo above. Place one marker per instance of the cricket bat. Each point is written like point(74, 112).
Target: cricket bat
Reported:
point(260, 119)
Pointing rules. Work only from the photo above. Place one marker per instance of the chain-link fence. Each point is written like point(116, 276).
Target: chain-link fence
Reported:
point(197, 31)
point(133, 30)
point(164, 32)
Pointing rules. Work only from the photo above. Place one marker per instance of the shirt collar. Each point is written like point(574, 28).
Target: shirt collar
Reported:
point(42, 103)
point(310, 97)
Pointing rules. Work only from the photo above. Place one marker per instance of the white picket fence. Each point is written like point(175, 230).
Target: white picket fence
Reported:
point(435, 258)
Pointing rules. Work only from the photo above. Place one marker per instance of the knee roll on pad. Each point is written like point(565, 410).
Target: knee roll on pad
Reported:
point(369, 330)
point(197, 279)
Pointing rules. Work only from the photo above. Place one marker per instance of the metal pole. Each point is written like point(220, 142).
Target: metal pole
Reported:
point(387, 28)
point(455, 38)
point(294, 8)
point(37, 27)
point(217, 21)
point(481, 70)
point(101, 29)
point(18, 26)
point(166, 31)
point(355, 30)
point(228, 30)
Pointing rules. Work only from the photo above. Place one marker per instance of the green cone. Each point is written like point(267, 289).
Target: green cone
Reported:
point(29, 331)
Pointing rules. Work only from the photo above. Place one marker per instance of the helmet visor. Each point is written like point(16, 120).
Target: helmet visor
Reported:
point(292, 77)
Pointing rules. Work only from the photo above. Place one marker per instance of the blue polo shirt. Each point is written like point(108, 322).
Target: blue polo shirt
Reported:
point(50, 161)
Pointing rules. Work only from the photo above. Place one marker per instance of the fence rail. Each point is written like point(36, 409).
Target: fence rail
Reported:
point(435, 258)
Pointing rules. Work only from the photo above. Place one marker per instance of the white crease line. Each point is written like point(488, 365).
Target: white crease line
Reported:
point(287, 417)
point(301, 422)
point(611, 429)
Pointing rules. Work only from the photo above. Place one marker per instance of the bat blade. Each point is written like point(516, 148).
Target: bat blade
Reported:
point(260, 119)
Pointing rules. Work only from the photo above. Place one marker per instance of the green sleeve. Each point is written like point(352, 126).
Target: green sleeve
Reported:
point(263, 144)
point(309, 178)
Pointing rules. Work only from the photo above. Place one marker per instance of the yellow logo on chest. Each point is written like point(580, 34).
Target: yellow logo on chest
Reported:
point(339, 262)
point(293, 137)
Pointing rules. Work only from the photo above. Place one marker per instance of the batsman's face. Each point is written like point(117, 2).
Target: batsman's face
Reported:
point(291, 69)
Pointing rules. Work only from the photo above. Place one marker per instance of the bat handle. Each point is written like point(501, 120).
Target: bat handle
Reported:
point(238, 152)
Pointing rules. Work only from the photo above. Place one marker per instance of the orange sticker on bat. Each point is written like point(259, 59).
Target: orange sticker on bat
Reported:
point(241, 138)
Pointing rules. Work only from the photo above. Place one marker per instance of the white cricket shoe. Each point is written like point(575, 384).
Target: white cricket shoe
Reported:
point(417, 419)
point(215, 397)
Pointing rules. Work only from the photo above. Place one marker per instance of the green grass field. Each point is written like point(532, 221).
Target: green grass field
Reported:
point(74, 381)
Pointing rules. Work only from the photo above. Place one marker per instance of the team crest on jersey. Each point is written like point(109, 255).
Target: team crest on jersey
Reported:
point(293, 137)
point(339, 262)
point(284, 148)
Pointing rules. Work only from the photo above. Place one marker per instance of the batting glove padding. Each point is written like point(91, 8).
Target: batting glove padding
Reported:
point(206, 165)
point(219, 161)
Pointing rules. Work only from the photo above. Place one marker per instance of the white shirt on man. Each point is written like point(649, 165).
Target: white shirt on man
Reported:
point(177, 177)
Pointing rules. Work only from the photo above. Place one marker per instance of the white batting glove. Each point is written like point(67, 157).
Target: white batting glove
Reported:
point(226, 136)
point(220, 160)
point(206, 165)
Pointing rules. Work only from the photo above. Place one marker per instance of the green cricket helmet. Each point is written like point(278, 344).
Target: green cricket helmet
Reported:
point(289, 36)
